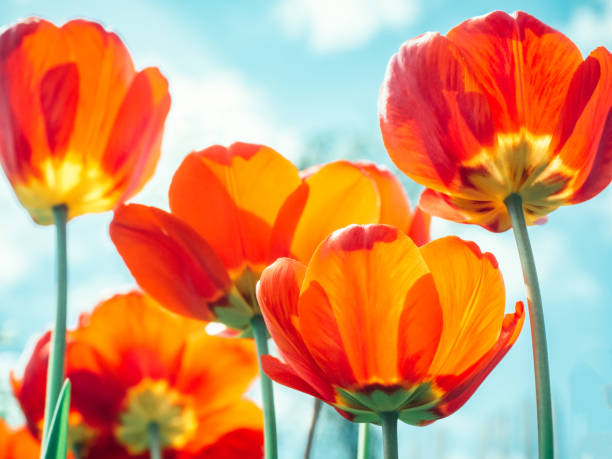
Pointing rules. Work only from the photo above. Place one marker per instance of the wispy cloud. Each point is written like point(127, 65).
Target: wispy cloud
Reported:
point(342, 24)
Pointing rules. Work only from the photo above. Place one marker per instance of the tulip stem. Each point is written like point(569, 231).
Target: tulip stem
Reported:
point(514, 204)
point(389, 434)
point(316, 409)
point(154, 446)
point(55, 368)
point(363, 443)
point(260, 332)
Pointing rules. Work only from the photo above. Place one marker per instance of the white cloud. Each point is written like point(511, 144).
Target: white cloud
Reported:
point(591, 27)
point(343, 24)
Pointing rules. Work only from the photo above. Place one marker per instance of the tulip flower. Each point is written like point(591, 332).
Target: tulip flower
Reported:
point(81, 127)
point(17, 444)
point(381, 329)
point(503, 121)
point(501, 105)
point(130, 394)
point(80, 131)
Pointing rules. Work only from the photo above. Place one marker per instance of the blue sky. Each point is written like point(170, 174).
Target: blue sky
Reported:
point(289, 74)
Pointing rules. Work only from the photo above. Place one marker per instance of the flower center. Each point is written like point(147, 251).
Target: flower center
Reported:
point(80, 434)
point(519, 163)
point(153, 403)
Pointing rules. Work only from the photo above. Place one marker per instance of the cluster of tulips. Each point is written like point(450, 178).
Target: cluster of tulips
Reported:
point(502, 120)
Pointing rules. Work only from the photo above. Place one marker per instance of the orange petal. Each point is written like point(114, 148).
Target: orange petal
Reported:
point(461, 387)
point(394, 203)
point(583, 136)
point(285, 375)
point(216, 371)
point(419, 226)
point(363, 285)
point(472, 296)
point(333, 191)
point(488, 214)
point(278, 293)
point(134, 322)
point(242, 414)
point(105, 72)
point(17, 444)
point(169, 260)
point(523, 65)
point(28, 51)
point(231, 196)
point(238, 444)
point(133, 145)
point(433, 113)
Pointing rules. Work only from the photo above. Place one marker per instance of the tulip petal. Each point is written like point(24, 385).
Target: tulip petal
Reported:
point(363, 285)
point(472, 296)
point(394, 203)
point(169, 260)
point(333, 191)
point(285, 375)
point(228, 377)
point(278, 293)
point(29, 388)
point(419, 226)
point(16, 444)
point(231, 197)
point(428, 91)
point(491, 215)
point(461, 387)
point(237, 444)
point(27, 52)
point(241, 414)
point(584, 135)
point(523, 65)
point(133, 146)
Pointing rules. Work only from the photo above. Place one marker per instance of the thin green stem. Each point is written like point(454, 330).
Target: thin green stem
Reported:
point(363, 443)
point(389, 434)
point(316, 409)
point(154, 446)
point(260, 333)
point(514, 204)
point(55, 369)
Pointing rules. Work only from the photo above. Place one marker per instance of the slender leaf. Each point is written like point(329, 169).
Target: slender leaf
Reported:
point(56, 443)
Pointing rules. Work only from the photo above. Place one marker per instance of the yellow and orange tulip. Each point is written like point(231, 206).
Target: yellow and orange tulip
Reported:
point(501, 105)
point(131, 363)
point(79, 126)
point(235, 210)
point(376, 324)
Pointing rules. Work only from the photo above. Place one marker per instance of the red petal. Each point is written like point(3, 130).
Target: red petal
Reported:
point(169, 260)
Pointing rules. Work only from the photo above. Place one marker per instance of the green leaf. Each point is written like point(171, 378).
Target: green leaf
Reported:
point(56, 443)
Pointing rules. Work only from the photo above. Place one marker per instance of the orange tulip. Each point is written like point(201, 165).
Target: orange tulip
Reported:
point(17, 444)
point(235, 210)
point(376, 324)
point(132, 364)
point(501, 105)
point(78, 125)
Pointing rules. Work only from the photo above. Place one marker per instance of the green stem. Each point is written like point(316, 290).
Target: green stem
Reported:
point(389, 434)
point(363, 444)
point(514, 205)
point(55, 369)
point(316, 409)
point(154, 446)
point(260, 333)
